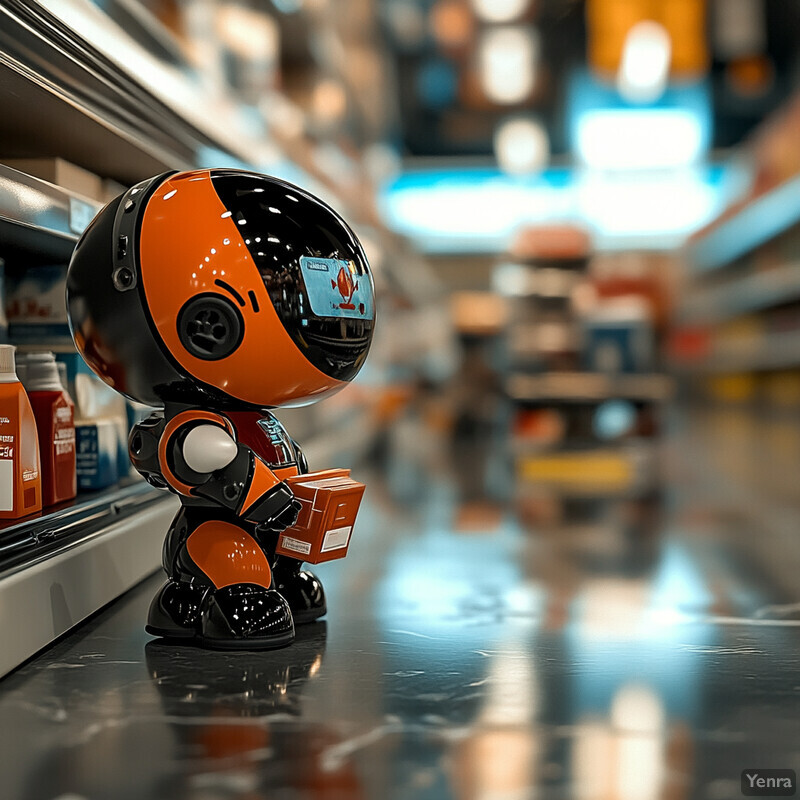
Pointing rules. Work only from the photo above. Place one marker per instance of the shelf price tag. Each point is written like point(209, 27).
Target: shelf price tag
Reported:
point(80, 215)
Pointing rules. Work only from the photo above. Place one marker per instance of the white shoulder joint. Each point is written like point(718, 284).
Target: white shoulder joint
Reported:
point(207, 448)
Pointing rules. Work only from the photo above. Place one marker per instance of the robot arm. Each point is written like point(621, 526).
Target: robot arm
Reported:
point(199, 457)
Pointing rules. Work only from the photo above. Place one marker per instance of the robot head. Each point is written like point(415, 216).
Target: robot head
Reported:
point(222, 287)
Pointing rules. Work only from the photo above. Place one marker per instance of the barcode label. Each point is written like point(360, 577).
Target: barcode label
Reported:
point(295, 545)
point(336, 538)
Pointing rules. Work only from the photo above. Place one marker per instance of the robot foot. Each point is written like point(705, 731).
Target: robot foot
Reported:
point(302, 589)
point(175, 610)
point(245, 616)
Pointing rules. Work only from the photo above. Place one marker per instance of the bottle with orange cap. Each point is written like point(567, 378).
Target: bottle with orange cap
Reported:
point(20, 474)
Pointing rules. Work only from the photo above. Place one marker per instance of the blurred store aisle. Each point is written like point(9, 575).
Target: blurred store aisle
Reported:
point(593, 649)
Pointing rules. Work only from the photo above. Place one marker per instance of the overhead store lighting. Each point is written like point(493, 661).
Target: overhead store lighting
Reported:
point(521, 146)
point(479, 210)
point(607, 132)
point(644, 69)
point(500, 10)
point(630, 204)
point(653, 138)
point(507, 63)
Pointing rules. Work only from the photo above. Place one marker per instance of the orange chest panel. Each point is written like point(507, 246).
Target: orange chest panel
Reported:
point(268, 439)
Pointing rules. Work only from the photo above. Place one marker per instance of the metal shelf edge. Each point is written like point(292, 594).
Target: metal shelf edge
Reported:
point(41, 603)
point(41, 209)
point(758, 222)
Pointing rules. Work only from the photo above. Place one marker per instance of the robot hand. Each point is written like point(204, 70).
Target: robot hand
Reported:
point(284, 519)
point(275, 510)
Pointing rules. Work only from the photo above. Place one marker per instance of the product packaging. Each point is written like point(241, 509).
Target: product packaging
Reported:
point(98, 411)
point(329, 504)
point(3, 318)
point(37, 308)
point(97, 463)
point(20, 478)
point(55, 421)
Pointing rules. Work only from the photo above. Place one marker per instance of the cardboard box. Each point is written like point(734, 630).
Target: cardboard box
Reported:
point(111, 190)
point(61, 173)
point(330, 502)
point(36, 307)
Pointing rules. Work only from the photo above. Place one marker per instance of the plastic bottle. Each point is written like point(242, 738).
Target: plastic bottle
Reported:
point(55, 420)
point(20, 479)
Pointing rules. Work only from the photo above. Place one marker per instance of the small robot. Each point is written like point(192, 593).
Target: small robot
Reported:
point(217, 295)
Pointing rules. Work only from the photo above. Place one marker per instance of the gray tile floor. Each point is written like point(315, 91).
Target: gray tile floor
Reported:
point(623, 650)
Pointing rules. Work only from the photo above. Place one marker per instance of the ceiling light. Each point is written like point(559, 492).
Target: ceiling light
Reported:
point(521, 146)
point(507, 60)
point(644, 68)
point(500, 10)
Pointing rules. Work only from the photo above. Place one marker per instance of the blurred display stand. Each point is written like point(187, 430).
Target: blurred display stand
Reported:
point(579, 366)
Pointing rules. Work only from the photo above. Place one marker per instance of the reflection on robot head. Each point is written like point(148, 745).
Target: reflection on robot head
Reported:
point(221, 287)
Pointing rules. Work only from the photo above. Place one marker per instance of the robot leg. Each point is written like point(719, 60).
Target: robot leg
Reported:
point(219, 588)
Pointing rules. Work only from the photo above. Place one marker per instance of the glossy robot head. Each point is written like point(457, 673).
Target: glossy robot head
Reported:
point(221, 287)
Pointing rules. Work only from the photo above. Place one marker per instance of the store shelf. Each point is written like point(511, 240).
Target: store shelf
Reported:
point(758, 222)
point(774, 351)
point(756, 292)
point(40, 218)
point(107, 104)
point(91, 93)
point(58, 568)
point(61, 96)
point(583, 387)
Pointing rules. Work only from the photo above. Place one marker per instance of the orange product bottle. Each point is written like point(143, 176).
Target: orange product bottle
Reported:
point(55, 421)
point(20, 480)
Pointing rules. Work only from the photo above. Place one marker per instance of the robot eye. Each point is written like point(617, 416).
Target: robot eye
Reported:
point(210, 327)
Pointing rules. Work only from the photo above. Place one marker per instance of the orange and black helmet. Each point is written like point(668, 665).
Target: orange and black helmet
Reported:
point(224, 287)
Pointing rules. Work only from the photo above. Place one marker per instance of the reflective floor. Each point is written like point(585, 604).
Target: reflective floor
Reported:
point(477, 646)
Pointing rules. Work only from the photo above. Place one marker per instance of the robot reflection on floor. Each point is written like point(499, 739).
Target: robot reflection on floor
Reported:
point(216, 295)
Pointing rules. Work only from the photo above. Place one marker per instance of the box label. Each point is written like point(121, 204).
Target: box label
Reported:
point(328, 483)
point(6, 484)
point(295, 545)
point(336, 538)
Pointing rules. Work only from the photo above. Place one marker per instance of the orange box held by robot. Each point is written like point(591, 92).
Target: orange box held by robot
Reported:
point(330, 501)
